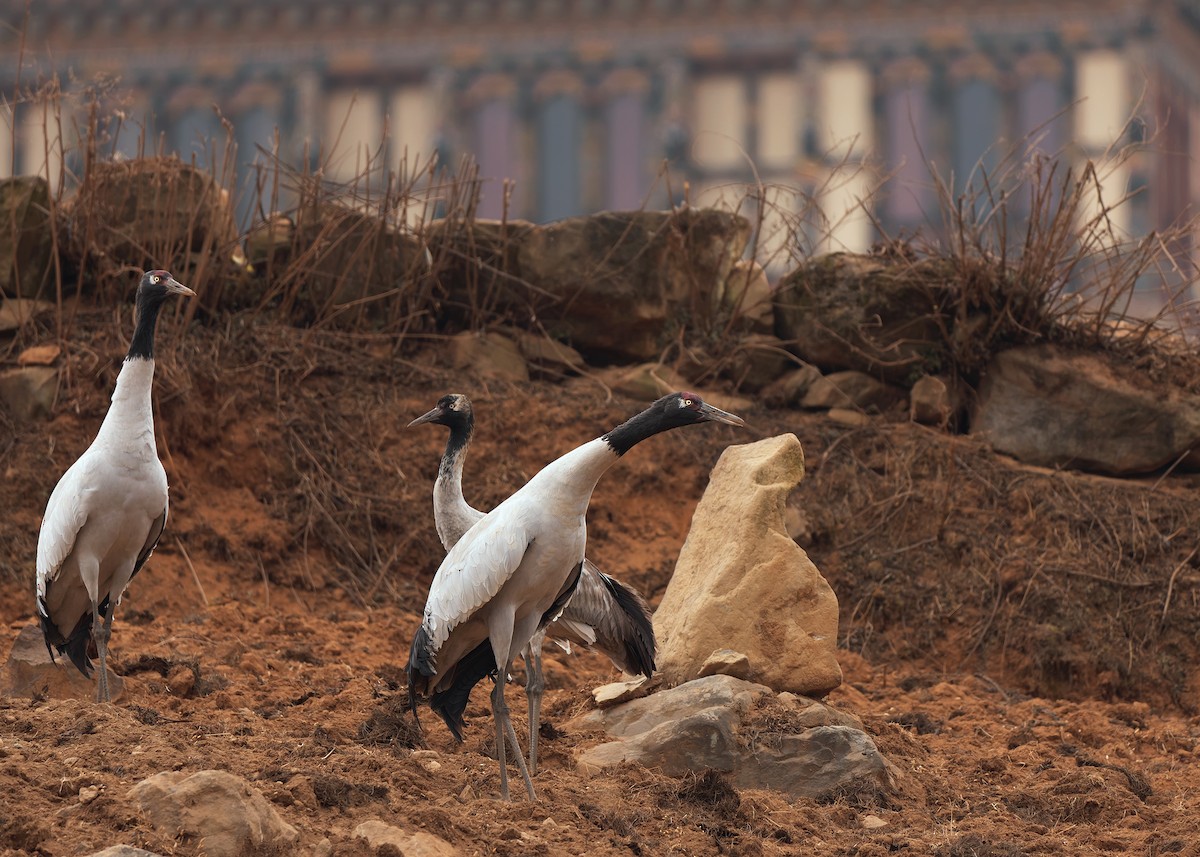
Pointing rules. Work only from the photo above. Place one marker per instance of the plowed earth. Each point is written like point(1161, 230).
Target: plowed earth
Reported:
point(1021, 644)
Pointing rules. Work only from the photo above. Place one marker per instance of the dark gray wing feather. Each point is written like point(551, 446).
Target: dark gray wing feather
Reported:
point(618, 617)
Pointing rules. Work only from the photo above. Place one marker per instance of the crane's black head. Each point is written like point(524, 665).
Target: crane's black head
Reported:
point(153, 290)
point(157, 286)
point(671, 411)
point(452, 410)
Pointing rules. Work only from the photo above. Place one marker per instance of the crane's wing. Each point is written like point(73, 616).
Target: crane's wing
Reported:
point(66, 513)
point(617, 617)
point(472, 573)
point(156, 531)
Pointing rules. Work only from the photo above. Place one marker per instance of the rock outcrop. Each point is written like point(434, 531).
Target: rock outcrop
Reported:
point(220, 812)
point(610, 284)
point(742, 583)
point(147, 212)
point(26, 241)
point(1048, 406)
point(876, 315)
point(360, 265)
point(811, 750)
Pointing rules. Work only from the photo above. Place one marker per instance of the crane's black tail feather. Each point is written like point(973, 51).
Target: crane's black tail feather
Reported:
point(422, 664)
point(468, 672)
point(640, 645)
point(76, 645)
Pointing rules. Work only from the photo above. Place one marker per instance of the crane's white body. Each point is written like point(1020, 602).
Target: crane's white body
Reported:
point(591, 617)
point(517, 559)
point(106, 512)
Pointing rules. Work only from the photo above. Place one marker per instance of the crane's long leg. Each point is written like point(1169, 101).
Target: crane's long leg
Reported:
point(535, 685)
point(505, 731)
point(101, 631)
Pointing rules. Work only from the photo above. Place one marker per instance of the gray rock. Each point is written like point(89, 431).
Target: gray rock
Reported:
point(490, 355)
point(644, 382)
point(149, 212)
point(619, 279)
point(30, 672)
point(693, 742)
point(15, 312)
point(666, 706)
point(612, 284)
point(358, 268)
point(932, 400)
point(808, 713)
point(420, 844)
point(547, 355)
point(814, 762)
point(1052, 407)
point(124, 851)
point(809, 749)
point(727, 662)
point(223, 813)
point(788, 390)
point(28, 392)
point(748, 295)
point(850, 389)
point(760, 359)
point(26, 243)
point(886, 317)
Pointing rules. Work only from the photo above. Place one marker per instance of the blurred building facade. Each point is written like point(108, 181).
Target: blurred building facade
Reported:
point(578, 103)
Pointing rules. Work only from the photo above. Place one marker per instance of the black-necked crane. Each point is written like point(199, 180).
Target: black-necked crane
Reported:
point(514, 571)
point(603, 613)
point(108, 510)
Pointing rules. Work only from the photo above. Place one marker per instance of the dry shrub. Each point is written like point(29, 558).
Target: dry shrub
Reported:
point(347, 254)
point(148, 213)
point(392, 724)
point(1057, 583)
point(974, 845)
point(1035, 256)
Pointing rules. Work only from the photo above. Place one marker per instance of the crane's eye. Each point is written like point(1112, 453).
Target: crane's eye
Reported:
point(687, 403)
point(154, 278)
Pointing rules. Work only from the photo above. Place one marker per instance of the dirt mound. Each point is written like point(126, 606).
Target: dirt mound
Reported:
point(1019, 642)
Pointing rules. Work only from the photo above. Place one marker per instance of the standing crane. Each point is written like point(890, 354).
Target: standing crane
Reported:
point(514, 571)
point(108, 510)
point(603, 613)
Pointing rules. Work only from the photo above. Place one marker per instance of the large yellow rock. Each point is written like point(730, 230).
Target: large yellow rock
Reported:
point(741, 583)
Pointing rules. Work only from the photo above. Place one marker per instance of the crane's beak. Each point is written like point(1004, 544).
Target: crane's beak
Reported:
point(178, 288)
point(426, 418)
point(708, 412)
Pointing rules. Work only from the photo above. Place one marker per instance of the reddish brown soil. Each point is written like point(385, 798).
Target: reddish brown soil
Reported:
point(1022, 645)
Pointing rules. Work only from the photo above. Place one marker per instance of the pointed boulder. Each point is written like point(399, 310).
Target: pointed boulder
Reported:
point(742, 583)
